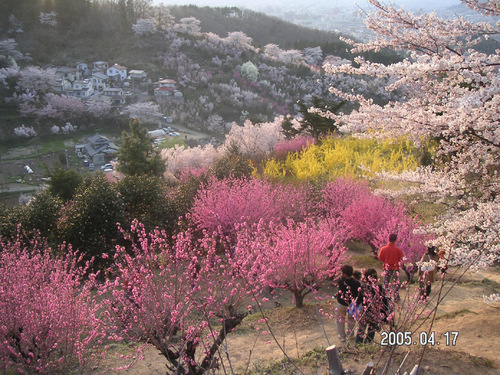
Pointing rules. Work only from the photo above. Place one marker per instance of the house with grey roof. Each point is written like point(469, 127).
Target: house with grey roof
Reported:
point(99, 149)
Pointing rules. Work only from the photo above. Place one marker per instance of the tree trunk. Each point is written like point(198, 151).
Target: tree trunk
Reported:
point(299, 298)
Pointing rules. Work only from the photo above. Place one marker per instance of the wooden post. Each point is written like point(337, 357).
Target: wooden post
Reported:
point(369, 369)
point(334, 364)
point(417, 370)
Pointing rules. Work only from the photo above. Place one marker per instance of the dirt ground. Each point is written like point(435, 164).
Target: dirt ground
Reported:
point(305, 333)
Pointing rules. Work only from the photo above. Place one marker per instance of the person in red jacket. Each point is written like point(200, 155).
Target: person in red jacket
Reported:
point(391, 256)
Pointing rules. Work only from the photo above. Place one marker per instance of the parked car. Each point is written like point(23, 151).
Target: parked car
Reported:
point(107, 166)
point(91, 166)
point(85, 163)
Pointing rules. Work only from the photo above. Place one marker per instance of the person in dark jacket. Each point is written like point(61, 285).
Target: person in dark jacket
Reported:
point(374, 307)
point(348, 289)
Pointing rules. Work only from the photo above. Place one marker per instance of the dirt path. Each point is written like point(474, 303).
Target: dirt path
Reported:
point(298, 331)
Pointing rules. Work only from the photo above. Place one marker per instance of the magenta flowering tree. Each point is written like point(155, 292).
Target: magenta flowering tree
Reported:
point(48, 319)
point(289, 146)
point(368, 215)
point(297, 257)
point(340, 194)
point(372, 219)
point(225, 204)
point(411, 239)
point(183, 298)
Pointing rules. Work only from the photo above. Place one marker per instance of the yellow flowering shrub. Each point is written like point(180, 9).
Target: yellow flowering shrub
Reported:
point(342, 157)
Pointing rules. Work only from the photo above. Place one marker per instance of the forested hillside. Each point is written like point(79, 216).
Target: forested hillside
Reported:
point(229, 64)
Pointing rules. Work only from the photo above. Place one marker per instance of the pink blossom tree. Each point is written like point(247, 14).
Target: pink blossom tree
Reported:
point(283, 148)
point(224, 204)
point(338, 195)
point(297, 257)
point(371, 219)
point(48, 318)
point(183, 298)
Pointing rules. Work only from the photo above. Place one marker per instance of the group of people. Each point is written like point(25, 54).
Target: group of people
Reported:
point(360, 298)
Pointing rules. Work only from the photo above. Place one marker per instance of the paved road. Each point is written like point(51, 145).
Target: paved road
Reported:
point(17, 187)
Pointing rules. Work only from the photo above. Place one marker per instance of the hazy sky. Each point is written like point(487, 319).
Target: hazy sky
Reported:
point(257, 4)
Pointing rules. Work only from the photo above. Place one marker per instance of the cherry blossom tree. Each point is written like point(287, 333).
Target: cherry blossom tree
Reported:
point(9, 53)
point(255, 140)
point(99, 107)
point(313, 55)
point(64, 106)
point(33, 78)
point(25, 131)
point(451, 94)
point(240, 40)
point(145, 110)
point(188, 25)
point(180, 159)
point(144, 26)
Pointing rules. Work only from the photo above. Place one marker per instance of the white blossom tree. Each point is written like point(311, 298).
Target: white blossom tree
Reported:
point(145, 110)
point(255, 140)
point(49, 18)
point(188, 25)
point(25, 131)
point(239, 39)
point(215, 124)
point(451, 96)
point(250, 71)
point(100, 106)
point(144, 26)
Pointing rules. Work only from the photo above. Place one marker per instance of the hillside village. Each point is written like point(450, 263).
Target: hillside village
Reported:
point(100, 79)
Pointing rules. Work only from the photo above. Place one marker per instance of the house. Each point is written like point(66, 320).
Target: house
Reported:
point(67, 73)
point(138, 75)
point(62, 85)
point(164, 87)
point(83, 68)
point(117, 95)
point(164, 91)
point(99, 66)
point(164, 83)
point(137, 79)
point(99, 81)
point(117, 73)
point(82, 89)
point(100, 149)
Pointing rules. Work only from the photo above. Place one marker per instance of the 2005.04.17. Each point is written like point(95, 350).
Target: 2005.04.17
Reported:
point(424, 338)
